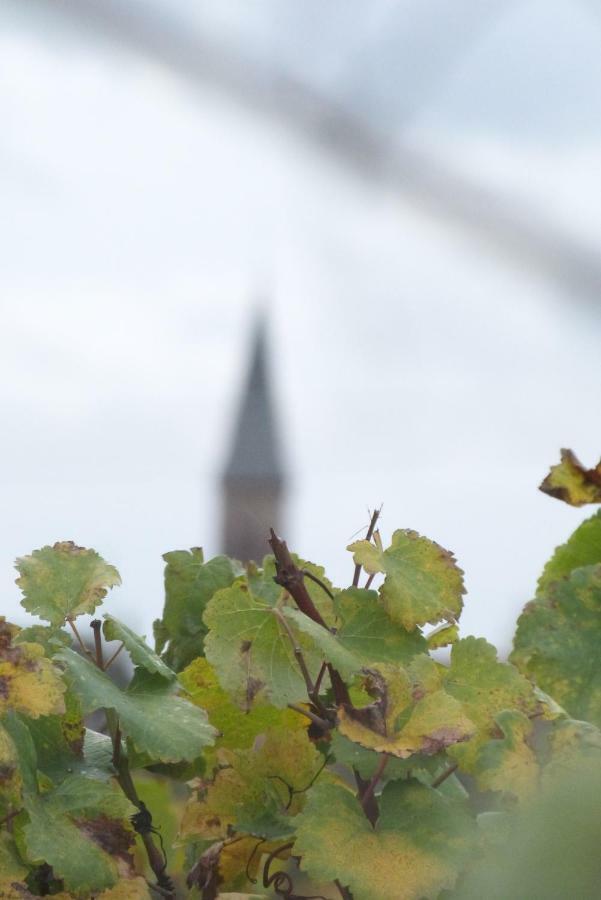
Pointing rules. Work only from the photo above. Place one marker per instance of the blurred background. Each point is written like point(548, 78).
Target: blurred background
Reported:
point(409, 195)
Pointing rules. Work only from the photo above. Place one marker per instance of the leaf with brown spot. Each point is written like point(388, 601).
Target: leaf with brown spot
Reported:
point(64, 581)
point(29, 683)
point(571, 482)
point(411, 712)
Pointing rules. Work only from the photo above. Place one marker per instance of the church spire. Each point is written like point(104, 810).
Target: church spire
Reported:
point(253, 477)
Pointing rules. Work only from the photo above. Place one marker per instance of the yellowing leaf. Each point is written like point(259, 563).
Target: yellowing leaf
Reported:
point(571, 482)
point(259, 791)
point(558, 641)
point(422, 584)
point(414, 851)
point(574, 751)
point(408, 715)
point(64, 581)
point(29, 683)
point(508, 763)
point(238, 729)
point(484, 687)
point(583, 548)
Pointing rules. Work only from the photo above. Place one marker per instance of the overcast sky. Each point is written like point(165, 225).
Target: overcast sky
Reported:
point(141, 222)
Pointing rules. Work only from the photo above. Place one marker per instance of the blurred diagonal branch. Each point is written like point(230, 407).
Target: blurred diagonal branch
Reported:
point(508, 225)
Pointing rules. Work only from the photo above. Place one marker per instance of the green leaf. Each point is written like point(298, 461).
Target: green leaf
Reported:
point(414, 851)
point(59, 740)
point(29, 683)
point(26, 755)
point(64, 581)
point(166, 727)
point(508, 763)
point(10, 775)
point(50, 637)
point(422, 584)
point(411, 713)
point(558, 639)
point(138, 649)
point(574, 751)
point(252, 653)
point(366, 630)
point(583, 548)
point(484, 687)
point(237, 729)
point(69, 826)
point(571, 482)
point(259, 790)
point(189, 585)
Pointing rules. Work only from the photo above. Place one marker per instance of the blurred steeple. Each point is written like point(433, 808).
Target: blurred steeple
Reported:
point(253, 478)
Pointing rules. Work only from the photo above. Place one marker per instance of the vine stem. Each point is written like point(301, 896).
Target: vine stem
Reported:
point(317, 720)
point(113, 657)
point(291, 578)
point(368, 794)
point(444, 775)
point(155, 857)
point(368, 537)
point(73, 628)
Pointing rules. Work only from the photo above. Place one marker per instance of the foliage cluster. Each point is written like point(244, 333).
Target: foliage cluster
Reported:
point(289, 738)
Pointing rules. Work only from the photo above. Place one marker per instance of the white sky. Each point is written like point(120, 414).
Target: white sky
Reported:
point(138, 224)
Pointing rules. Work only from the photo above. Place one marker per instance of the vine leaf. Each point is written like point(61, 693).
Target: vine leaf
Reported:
point(443, 636)
point(138, 649)
point(190, 582)
point(583, 548)
point(237, 729)
point(409, 715)
point(422, 584)
point(251, 652)
point(484, 686)
point(166, 727)
point(557, 642)
point(258, 791)
point(574, 751)
point(10, 775)
point(414, 851)
point(366, 630)
point(70, 826)
point(29, 683)
point(508, 763)
point(571, 482)
point(64, 581)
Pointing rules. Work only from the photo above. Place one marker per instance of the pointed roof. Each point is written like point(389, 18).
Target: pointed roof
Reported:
point(255, 450)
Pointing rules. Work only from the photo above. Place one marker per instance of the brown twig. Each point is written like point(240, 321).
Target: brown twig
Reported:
point(317, 720)
point(78, 637)
point(96, 626)
point(366, 790)
point(291, 578)
point(444, 775)
point(370, 532)
point(298, 653)
point(344, 891)
point(318, 581)
point(114, 657)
